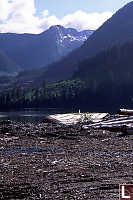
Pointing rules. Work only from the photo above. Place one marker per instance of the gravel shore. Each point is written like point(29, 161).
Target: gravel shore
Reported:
point(51, 161)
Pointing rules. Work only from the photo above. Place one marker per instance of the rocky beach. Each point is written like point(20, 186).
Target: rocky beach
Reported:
point(53, 161)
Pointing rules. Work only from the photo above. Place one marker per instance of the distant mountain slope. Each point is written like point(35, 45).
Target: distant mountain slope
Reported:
point(33, 51)
point(102, 83)
point(118, 29)
point(7, 66)
point(114, 65)
point(109, 77)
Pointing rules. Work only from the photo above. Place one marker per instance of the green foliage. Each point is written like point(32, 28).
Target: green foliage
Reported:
point(56, 94)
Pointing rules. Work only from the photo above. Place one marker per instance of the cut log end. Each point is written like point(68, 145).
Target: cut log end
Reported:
point(125, 112)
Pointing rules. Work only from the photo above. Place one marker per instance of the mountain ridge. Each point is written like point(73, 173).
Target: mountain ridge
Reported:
point(37, 50)
point(117, 29)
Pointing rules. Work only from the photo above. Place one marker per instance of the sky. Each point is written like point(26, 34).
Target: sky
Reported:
point(36, 16)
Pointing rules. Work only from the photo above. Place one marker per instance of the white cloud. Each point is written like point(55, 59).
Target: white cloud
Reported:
point(45, 13)
point(81, 20)
point(4, 9)
point(45, 23)
point(19, 16)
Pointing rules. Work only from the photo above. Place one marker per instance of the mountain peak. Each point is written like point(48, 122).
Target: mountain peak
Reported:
point(116, 30)
point(41, 49)
point(56, 27)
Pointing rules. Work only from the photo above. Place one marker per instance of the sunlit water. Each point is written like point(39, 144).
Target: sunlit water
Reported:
point(29, 115)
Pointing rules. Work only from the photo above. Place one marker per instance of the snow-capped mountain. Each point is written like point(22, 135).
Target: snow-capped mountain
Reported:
point(68, 39)
point(39, 50)
point(116, 30)
point(70, 34)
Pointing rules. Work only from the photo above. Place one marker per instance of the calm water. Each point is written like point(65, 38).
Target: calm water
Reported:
point(36, 115)
point(28, 115)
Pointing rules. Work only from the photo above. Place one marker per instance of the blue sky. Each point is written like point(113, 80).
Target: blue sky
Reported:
point(63, 7)
point(36, 16)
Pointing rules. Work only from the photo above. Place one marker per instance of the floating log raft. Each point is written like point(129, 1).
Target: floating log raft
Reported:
point(74, 118)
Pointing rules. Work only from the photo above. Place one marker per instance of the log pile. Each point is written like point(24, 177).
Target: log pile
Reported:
point(75, 118)
point(122, 122)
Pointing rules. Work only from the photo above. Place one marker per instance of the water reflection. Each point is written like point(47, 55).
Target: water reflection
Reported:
point(28, 115)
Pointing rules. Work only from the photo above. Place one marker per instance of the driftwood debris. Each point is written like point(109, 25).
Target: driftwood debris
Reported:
point(120, 123)
point(74, 118)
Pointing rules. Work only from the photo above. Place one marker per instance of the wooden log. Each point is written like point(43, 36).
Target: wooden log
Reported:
point(120, 119)
point(125, 112)
point(115, 128)
point(119, 122)
point(126, 129)
point(109, 123)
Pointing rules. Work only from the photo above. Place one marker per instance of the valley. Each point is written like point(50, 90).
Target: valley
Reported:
point(53, 64)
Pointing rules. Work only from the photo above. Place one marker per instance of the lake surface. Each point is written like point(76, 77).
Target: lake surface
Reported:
point(37, 114)
point(29, 115)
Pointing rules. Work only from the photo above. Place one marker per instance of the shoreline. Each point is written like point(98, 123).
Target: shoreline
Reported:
point(54, 161)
